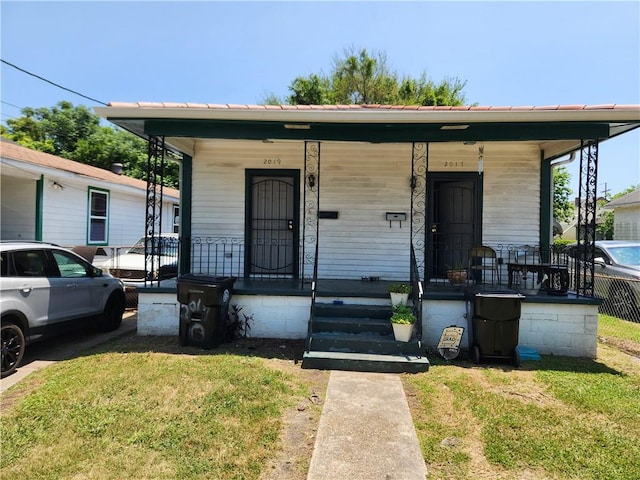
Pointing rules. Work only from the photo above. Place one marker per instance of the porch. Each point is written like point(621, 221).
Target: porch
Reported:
point(552, 324)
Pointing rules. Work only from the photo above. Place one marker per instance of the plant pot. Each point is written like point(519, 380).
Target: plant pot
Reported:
point(457, 277)
point(399, 298)
point(402, 331)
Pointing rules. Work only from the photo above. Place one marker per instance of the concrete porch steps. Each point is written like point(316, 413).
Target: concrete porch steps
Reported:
point(365, 362)
point(359, 337)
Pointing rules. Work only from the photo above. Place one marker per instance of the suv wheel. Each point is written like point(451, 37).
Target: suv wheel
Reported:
point(12, 347)
point(112, 316)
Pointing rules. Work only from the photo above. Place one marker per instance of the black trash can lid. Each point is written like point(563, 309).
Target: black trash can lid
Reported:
point(500, 295)
point(208, 279)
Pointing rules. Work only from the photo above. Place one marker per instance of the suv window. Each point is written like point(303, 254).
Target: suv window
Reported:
point(32, 263)
point(69, 266)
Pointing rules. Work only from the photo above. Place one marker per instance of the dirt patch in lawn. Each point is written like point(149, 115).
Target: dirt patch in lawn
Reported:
point(626, 345)
point(301, 419)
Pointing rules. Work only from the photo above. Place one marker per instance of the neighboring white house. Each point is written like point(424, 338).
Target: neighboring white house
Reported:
point(52, 199)
point(626, 222)
point(352, 192)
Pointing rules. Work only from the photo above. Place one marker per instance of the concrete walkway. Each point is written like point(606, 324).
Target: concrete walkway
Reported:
point(366, 431)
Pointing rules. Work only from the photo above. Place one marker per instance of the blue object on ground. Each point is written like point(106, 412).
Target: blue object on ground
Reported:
point(527, 353)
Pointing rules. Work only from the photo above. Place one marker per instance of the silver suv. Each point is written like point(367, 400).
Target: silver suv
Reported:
point(46, 289)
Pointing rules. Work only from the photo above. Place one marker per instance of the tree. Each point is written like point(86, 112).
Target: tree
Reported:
point(75, 133)
point(358, 77)
point(563, 208)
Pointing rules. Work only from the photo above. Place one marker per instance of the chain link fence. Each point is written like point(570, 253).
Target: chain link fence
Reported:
point(619, 319)
point(620, 296)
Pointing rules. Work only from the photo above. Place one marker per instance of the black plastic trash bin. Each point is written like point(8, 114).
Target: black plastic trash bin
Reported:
point(204, 309)
point(495, 326)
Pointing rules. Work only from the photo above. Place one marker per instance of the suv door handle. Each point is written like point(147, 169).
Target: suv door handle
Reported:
point(25, 288)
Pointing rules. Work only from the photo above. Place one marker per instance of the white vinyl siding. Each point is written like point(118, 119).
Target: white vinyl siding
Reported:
point(362, 182)
point(627, 223)
point(18, 208)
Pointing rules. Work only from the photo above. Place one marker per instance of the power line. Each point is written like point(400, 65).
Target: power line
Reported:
point(50, 82)
point(11, 104)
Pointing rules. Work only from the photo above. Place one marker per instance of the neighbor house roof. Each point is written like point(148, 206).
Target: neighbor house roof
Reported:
point(12, 151)
point(631, 198)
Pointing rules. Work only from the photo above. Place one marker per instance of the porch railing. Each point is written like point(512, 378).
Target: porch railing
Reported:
point(217, 256)
point(314, 290)
point(527, 268)
point(518, 267)
point(417, 292)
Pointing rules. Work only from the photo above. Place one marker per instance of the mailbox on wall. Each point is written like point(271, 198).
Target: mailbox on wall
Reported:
point(396, 217)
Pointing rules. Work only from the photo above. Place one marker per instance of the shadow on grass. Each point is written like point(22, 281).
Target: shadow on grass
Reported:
point(547, 363)
point(281, 349)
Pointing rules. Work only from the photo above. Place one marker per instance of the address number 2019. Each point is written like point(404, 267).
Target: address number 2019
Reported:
point(272, 161)
point(453, 164)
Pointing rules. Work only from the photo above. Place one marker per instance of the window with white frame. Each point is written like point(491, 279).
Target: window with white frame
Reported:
point(98, 217)
point(176, 219)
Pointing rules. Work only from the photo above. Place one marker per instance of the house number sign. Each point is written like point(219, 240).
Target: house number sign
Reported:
point(272, 161)
point(453, 164)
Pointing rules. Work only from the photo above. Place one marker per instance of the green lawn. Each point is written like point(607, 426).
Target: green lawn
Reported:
point(558, 418)
point(143, 408)
point(141, 413)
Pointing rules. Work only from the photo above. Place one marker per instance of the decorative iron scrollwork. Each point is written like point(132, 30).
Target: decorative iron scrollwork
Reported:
point(586, 235)
point(419, 167)
point(155, 178)
point(311, 203)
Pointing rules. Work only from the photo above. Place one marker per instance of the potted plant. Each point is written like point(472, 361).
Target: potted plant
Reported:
point(402, 321)
point(399, 293)
point(457, 274)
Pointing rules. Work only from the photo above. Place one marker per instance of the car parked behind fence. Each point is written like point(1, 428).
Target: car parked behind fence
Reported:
point(47, 289)
point(616, 276)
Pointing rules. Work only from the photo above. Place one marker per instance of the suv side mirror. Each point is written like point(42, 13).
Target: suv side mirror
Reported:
point(96, 272)
point(600, 261)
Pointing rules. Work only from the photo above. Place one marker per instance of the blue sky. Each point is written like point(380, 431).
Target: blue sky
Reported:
point(509, 53)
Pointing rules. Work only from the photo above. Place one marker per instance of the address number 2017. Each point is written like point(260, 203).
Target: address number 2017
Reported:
point(454, 164)
point(272, 161)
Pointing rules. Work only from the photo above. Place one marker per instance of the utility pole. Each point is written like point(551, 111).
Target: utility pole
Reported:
point(606, 191)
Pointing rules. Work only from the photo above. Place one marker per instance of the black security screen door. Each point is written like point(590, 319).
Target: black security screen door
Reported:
point(454, 220)
point(272, 223)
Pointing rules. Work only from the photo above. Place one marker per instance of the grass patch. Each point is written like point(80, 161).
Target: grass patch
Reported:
point(559, 418)
point(147, 414)
point(614, 327)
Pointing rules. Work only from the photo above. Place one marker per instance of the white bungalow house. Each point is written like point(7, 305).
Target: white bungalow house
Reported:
point(52, 199)
point(315, 208)
point(626, 220)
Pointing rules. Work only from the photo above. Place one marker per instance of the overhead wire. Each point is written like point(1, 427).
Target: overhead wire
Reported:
point(51, 83)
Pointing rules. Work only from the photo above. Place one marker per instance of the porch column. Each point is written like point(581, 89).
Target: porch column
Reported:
point(186, 191)
point(311, 201)
point(419, 167)
point(153, 225)
point(587, 196)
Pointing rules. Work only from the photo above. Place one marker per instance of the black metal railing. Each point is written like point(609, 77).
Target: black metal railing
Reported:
point(417, 294)
point(314, 290)
point(217, 256)
point(526, 268)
